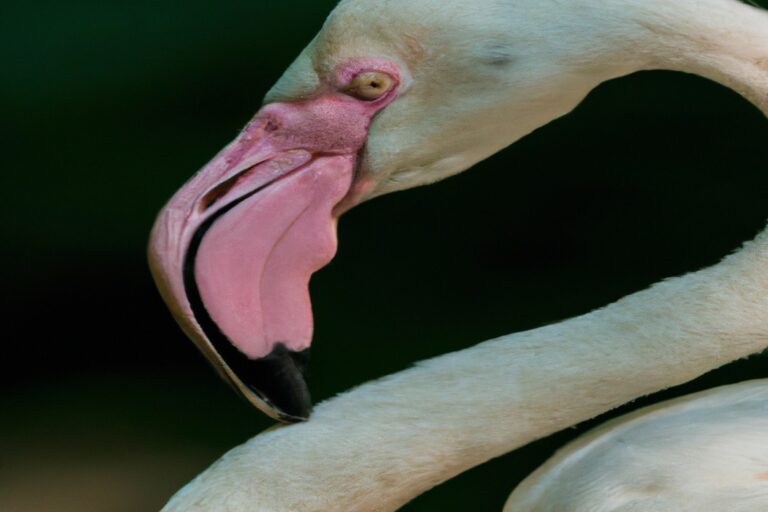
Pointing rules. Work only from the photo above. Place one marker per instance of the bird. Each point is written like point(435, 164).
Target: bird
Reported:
point(400, 93)
point(700, 452)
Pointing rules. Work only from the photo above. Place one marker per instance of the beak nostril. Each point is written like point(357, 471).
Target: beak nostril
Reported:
point(220, 190)
point(271, 126)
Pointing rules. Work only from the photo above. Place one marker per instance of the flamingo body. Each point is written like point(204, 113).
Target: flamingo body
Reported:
point(703, 452)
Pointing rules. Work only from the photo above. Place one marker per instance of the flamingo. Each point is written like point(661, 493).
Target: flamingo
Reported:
point(702, 452)
point(399, 93)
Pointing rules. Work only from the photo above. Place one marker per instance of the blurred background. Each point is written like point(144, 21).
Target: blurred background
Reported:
point(109, 107)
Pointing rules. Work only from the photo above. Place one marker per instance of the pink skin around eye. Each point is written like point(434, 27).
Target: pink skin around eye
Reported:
point(345, 74)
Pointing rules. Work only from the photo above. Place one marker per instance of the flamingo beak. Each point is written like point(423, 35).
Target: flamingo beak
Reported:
point(233, 251)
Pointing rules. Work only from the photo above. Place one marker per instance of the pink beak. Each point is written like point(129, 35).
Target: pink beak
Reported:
point(233, 251)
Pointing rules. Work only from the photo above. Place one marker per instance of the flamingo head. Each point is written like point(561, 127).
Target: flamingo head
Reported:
point(388, 96)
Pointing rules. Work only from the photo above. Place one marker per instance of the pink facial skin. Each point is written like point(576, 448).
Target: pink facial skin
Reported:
point(245, 234)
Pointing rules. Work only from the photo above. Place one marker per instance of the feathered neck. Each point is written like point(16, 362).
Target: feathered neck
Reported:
point(379, 445)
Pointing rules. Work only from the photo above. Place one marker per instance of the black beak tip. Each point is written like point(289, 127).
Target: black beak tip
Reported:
point(274, 383)
point(278, 380)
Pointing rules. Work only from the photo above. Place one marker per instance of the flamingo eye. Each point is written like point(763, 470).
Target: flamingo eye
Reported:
point(369, 86)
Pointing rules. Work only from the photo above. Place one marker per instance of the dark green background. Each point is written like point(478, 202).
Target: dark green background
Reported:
point(108, 108)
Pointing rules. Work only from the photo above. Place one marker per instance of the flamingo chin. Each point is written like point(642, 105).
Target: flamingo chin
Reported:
point(233, 251)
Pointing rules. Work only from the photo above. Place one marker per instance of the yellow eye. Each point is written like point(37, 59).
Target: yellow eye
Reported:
point(369, 86)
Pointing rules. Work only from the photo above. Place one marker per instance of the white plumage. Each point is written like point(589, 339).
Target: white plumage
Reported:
point(703, 452)
point(480, 75)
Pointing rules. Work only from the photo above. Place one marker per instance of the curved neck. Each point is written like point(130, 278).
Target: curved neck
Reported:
point(379, 445)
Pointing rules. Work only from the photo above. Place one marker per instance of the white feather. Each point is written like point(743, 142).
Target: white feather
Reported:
point(704, 452)
point(482, 74)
